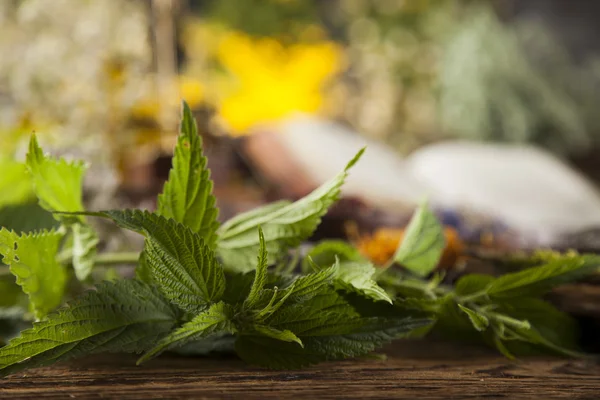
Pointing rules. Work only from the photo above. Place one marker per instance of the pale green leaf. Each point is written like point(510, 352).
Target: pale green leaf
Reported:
point(127, 316)
point(423, 243)
point(15, 183)
point(57, 182)
point(479, 321)
point(254, 213)
point(260, 277)
point(85, 240)
point(283, 335)
point(355, 273)
point(216, 320)
point(187, 195)
point(538, 280)
point(182, 265)
point(32, 259)
point(326, 252)
point(284, 226)
point(358, 277)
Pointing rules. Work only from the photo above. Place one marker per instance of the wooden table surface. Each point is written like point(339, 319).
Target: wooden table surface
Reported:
point(419, 370)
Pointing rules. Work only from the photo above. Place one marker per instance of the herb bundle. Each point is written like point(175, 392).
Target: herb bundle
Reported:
point(201, 286)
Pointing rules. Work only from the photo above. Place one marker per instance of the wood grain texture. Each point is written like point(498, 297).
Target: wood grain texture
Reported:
point(423, 370)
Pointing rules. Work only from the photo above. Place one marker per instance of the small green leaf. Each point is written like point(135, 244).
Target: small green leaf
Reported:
point(358, 277)
point(423, 243)
point(260, 278)
point(307, 286)
point(32, 259)
point(539, 280)
point(214, 321)
point(57, 183)
point(284, 225)
point(127, 316)
point(184, 268)
point(187, 195)
point(325, 253)
point(284, 335)
point(479, 321)
point(85, 240)
point(472, 284)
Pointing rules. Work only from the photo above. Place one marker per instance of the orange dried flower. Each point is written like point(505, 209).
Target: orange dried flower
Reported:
point(382, 245)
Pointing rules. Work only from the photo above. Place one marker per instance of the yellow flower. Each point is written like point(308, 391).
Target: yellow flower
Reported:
point(273, 80)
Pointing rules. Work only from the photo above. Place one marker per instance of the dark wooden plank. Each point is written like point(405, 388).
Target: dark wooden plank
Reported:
point(413, 370)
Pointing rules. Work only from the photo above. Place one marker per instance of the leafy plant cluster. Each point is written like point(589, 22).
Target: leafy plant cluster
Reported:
point(201, 286)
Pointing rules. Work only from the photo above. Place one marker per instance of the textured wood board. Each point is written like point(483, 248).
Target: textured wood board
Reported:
point(413, 370)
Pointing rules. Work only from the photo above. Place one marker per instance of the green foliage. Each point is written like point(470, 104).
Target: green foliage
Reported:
point(183, 299)
point(57, 183)
point(126, 316)
point(284, 225)
point(187, 196)
point(85, 240)
point(355, 273)
point(179, 261)
point(26, 217)
point(15, 184)
point(214, 321)
point(32, 260)
point(423, 243)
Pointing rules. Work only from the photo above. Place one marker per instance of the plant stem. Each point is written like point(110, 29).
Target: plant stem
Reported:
point(129, 257)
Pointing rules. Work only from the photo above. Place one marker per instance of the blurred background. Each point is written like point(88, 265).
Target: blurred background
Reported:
point(486, 108)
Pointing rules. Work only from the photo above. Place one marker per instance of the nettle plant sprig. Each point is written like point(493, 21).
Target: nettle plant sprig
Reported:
point(200, 286)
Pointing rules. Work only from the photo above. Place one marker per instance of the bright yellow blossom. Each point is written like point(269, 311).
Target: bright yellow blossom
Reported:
point(273, 80)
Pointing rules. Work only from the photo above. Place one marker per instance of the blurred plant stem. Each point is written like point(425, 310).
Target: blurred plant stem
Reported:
point(163, 12)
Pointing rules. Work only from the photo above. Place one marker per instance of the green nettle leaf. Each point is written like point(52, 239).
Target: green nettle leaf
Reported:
point(472, 284)
point(32, 259)
point(358, 341)
point(85, 240)
point(214, 321)
point(57, 182)
point(187, 195)
point(182, 265)
point(538, 280)
point(307, 286)
point(284, 335)
point(326, 252)
point(358, 277)
point(127, 316)
point(284, 225)
point(479, 321)
point(260, 278)
point(423, 243)
point(549, 327)
point(355, 274)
